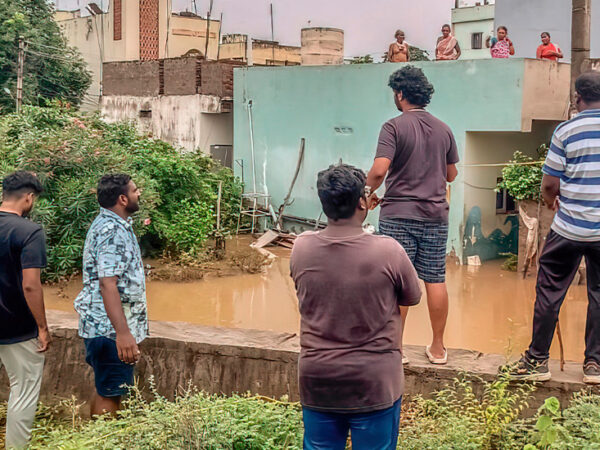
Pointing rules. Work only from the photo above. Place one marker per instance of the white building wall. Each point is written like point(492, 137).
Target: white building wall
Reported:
point(192, 122)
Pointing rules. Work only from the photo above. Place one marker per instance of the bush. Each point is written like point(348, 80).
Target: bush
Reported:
point(192, 421)
point(70, 152)
point(522, 177)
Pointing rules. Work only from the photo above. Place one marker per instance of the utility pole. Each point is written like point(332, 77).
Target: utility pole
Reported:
point(580, 41)
point(21, 63)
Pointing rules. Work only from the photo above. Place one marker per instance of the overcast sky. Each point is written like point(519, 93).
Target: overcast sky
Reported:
point(369, 26)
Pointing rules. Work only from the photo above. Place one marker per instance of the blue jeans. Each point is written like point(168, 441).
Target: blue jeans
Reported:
point(377, 430)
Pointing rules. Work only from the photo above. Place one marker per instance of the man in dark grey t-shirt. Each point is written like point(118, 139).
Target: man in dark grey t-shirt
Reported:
point(417, 152)
point(350, 285)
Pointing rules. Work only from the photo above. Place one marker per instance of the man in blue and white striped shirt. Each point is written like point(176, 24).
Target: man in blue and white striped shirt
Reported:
point(571, 187)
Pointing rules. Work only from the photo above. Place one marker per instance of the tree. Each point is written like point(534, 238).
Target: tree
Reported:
point(416, 54)
point(367, 59)
point(52, 70)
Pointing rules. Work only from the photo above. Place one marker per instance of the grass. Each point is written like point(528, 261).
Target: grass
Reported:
point(453, 418)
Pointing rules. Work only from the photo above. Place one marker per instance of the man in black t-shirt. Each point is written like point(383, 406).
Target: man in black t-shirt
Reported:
point(24, 335)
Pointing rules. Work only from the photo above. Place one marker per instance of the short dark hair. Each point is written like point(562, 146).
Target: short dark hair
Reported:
point(340, 188)
point(502, 27)
point(587, 86)
point(413, 84)
point(111, 187)
point(545, 33)
point(20, 182)
point(446, 26)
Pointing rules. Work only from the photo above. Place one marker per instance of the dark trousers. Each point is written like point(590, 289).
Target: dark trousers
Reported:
point(558, 265)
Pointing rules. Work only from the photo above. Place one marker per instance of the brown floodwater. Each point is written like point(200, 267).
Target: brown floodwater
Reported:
point(491, 310)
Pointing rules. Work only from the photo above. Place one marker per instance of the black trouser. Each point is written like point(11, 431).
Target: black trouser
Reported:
point(558, 265)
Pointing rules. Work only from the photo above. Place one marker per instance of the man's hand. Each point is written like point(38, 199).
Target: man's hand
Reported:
point(556, 204)
point(373, 201)
point(128, 349)
point(44, 339)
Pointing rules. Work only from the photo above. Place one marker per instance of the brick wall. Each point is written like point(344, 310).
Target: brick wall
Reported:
point(148, 29)
point(216, 77)
point(173, 76)
point(118, 20)
point(179, 76)
point(138, 78)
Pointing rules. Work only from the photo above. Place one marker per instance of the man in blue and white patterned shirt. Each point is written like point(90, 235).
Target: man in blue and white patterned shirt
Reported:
point(571, 187)
point(112, 304)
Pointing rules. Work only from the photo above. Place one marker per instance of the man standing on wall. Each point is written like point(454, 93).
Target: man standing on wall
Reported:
point(112, 304)
point(350, 284)
point(418, 154)
point(571, 187)
point(24, 335)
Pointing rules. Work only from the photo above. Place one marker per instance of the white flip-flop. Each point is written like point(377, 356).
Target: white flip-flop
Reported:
point(434, 360)
point(405, 359)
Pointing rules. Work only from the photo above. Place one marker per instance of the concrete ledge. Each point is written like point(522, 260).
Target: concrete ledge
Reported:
point(222, 360)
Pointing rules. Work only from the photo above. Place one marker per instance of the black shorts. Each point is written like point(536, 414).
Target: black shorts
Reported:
point(112, 376)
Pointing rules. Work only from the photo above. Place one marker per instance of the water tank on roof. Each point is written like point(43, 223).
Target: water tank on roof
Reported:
point(322, 46)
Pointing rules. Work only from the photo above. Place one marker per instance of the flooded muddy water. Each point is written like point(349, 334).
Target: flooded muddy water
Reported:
point(491, 310)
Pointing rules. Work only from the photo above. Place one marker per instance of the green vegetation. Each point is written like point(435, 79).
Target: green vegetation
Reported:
point(70, 152)
point(417, 54)
point(52, 68)
point(466, 415)
point(511, 262)
point(522, 177)
point(367, 59)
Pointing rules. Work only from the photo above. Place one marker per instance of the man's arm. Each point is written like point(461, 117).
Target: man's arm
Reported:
point(126, 345)
point(551, 191)
point(407, 52)
point(451, 172)
point(375, 178)
point(34, 296)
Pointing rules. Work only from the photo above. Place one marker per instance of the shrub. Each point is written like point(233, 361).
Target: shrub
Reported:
point(522, 177)
point(70, 152)
point(193, 421)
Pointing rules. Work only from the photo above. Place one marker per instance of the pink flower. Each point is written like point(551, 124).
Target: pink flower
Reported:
point(147, 221)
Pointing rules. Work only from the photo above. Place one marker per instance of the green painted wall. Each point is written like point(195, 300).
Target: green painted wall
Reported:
point(294, 102)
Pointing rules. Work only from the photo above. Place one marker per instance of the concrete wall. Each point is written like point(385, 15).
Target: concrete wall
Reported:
point(187, 121)
point(225, 361)
point(526, 20)
point(476, 19)
point(340, 111)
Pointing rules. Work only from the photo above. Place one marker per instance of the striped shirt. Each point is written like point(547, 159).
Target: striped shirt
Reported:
point(574, 157)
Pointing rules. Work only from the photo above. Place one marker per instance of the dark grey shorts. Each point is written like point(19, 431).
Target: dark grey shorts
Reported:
point(424, 242)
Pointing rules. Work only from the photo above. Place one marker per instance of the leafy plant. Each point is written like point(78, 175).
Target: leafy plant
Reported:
point(367, 59)
point(522, 177)
point(457, 417)
point(52, 69)
point(70, 152)
point(417, 54)
point(194, 420)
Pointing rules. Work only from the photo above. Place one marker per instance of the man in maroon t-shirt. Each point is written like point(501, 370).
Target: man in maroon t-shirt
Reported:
point(418, 154)
point(350, 285)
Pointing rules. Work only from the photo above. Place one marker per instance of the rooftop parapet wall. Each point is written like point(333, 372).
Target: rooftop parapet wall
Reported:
point(172, 76)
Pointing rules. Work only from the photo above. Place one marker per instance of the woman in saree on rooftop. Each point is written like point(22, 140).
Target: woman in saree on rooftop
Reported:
point(447, 47)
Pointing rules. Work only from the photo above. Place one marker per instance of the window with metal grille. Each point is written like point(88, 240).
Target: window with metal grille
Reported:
point(477, 41)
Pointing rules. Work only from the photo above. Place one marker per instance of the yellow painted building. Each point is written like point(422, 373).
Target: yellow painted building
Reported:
point(260, 53)
point(132, 30)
